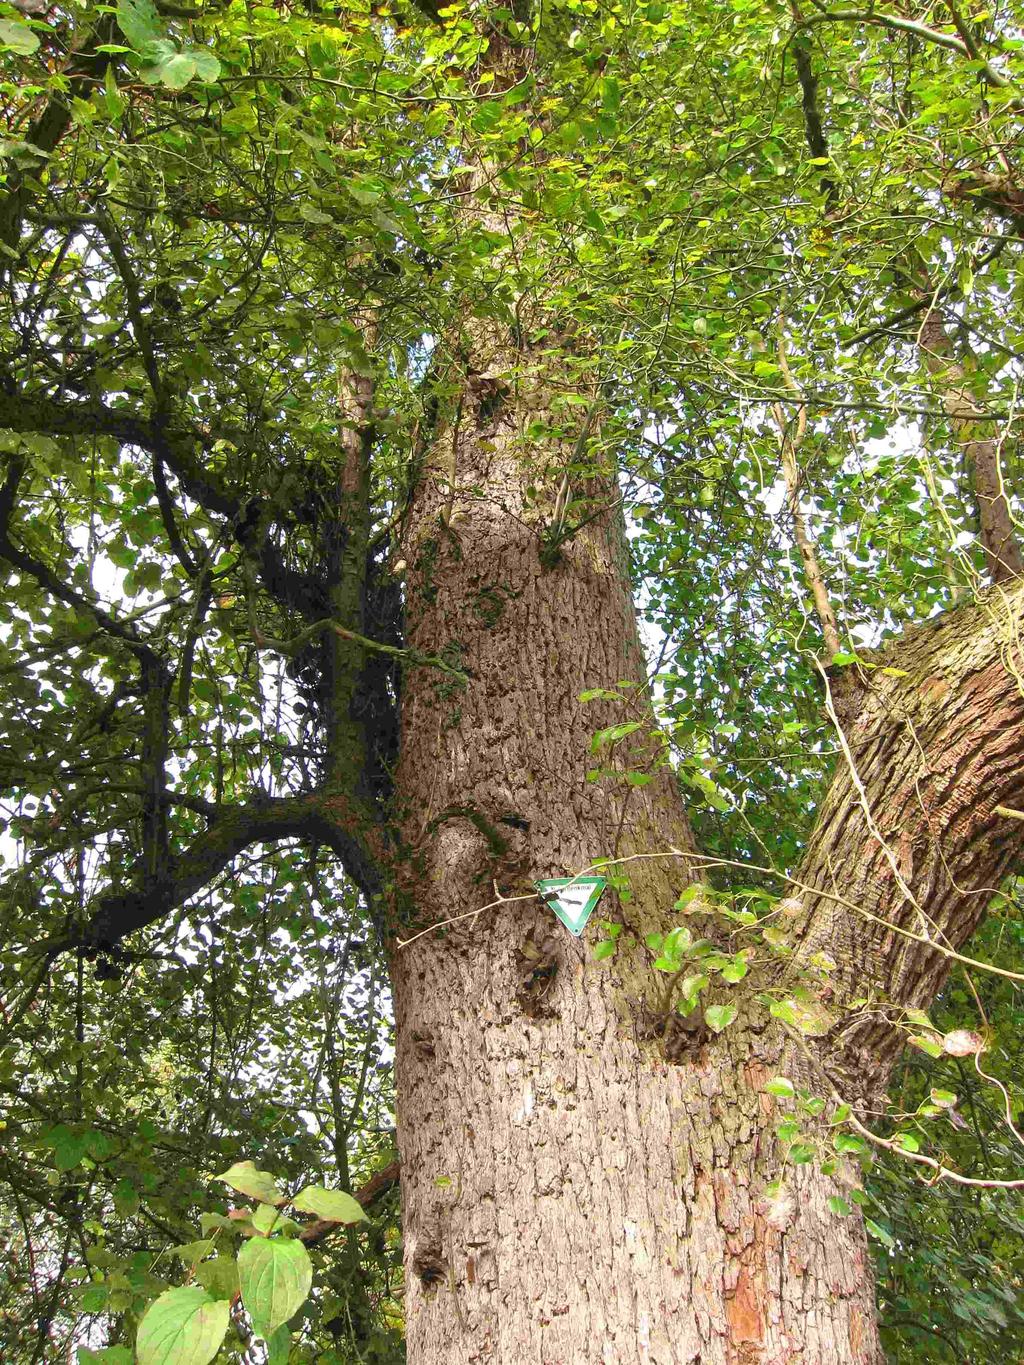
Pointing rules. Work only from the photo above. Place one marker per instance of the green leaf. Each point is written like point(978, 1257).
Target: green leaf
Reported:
point(176, 72)
point(839, 1206)
point(927, 1042)
point(126, 1199)
point(267, 1220)
point(781, 1086)
point(206, 64)
point(612, 733)
point(68, 1147)
point(279, 1344)
point(17, 37)
point(801, 1153)
point(945, 1099)
point(244, 1177)
point(219, 1277)
point(332, 1204)
point(689, 991)
point(719, 1017)
point(275, 1278)
point(848, 1144)
point(139, 22)
point(309, 213)
point(183, 1327)
point(735, 970)
point(192, 1252)
point(604, 949)
point(907, 1141)
point(883, 1235)
point(107, 1355)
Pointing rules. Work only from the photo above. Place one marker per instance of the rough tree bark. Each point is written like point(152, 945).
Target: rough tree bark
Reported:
point(580, 1182)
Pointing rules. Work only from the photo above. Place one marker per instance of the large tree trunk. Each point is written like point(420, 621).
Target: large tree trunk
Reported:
point(581, 1183)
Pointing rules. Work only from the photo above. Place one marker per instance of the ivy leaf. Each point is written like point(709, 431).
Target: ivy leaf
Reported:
point(333, 1204)
point(219, 1277)
point(176, 72)
point(907, 1141)
point(246, 1179)
point(275, 1278)
point(139, 22)
point(183, 1327)
point(278, 1346)
point(17, 37)
point(206, 64)
point(781, 1086)
point(962, 1042)
point(719, 1017)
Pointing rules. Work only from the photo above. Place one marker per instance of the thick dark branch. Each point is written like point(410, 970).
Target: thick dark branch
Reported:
point(323, 818)
point(163, 497)
point(156, 690)
point(816, 139)
point(175, 446)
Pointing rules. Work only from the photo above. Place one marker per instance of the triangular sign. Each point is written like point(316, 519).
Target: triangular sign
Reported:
point(572, 899)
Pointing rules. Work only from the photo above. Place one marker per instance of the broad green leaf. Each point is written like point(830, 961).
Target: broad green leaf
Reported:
point(333, 1204)
point(126, 1199)
point(17, 37)
point(69, 1147)
point(192, 1252)
point(106, 1355)
point(275, 1278)
point(246, 1179)
point(219, 1277)
point(206, 64)
point(139, 21)
point(268, 1219)
point(183, 1327)
point(781, 1086)
point(278, 1346)
point(927, 1042)
point(907, 1141)
point(689, 991)
point(719, 1017)
point(883, 1234)
point(735, 970)
point(176, 72)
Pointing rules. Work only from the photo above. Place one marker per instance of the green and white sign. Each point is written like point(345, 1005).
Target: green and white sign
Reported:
point(572, 899)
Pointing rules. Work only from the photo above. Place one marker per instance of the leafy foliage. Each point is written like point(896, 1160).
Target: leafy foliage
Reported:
point(214, 227)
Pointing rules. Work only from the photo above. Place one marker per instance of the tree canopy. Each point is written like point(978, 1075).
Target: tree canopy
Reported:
point(775, 243)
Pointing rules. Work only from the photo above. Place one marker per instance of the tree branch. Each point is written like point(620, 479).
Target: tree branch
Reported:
point(329, 818)
point(981, 455)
